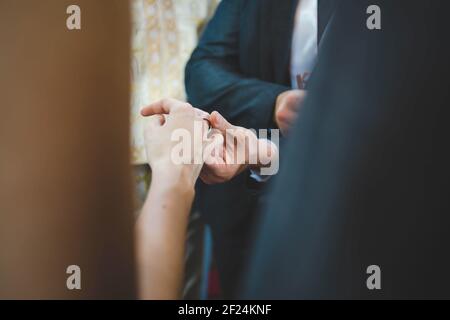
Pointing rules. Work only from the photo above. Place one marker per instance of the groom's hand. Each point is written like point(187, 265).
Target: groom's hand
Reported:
point(241, 149)
point(287, 107)
point(165, 118)
point(233, 156)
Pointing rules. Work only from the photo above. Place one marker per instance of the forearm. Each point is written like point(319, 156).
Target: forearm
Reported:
point(161, 235)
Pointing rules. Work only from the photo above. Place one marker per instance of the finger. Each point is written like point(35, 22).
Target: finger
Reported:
point(267, 150)
point(206, 179)
point(206, 176)
point(214, 148)
point(205, 116)
point(202, 114)
point(164, 106)
point(290, 120)
point(286, 116)
point(217, 139)
point(206, 126)
point(294, 100)
point(209, 177)
point(156, 120)
point(219, 122)
point(219, 142)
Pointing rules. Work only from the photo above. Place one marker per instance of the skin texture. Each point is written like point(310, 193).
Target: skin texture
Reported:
point(161, 227)
point(287, 107)
point(224, 166)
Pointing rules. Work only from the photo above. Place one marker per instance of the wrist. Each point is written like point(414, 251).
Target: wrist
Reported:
point(177, 178)
point(167, 198)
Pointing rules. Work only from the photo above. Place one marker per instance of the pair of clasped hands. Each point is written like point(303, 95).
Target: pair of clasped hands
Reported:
point(219, 164)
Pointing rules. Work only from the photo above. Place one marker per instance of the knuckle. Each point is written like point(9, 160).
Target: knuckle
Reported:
point(241, 132)
point(165, 101)
point(186, 107)
point(283, 116)
point(291, 100)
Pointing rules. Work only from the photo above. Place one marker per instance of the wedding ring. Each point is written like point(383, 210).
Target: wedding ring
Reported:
point(206, 118)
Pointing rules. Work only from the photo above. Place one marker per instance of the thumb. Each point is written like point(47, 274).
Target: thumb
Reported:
point(219, 122)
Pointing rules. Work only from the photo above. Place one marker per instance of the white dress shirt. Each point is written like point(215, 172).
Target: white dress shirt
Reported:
point(304, 42)
point(303, 52)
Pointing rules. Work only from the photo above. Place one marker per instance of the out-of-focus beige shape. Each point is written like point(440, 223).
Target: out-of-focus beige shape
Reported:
point(64, 150)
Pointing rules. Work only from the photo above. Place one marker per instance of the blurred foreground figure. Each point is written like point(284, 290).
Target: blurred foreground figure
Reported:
point(164, 33)
point(252, 65)
point(65, 182)
point(365, 178)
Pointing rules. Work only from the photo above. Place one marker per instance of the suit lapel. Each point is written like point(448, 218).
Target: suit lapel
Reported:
point(326, 9)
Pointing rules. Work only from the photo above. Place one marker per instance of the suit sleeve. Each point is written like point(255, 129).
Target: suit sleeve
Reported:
point(214, 80)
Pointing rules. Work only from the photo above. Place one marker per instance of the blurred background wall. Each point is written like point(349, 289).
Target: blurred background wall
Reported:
point(65, 194)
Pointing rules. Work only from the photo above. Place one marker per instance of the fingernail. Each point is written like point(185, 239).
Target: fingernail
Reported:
point(218, 118)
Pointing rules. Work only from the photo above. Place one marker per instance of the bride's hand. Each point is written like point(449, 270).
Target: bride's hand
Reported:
point(174, 136)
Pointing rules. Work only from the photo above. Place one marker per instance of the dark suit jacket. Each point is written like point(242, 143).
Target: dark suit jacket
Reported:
point(242, 61)
point(239, 68)
point(365, 177)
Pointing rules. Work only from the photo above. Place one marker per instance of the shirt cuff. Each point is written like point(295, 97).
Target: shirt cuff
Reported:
point(258, 177)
